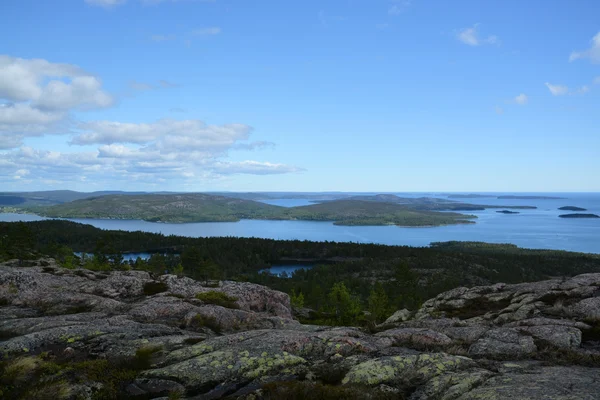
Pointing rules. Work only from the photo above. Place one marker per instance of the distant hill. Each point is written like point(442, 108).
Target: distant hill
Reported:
point(431, 203)
point(50, 197)
point(211, 208)
point(194, 207)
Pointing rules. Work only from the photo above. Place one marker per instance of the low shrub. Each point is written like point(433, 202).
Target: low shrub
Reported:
point(218, 298)
point(202, 321)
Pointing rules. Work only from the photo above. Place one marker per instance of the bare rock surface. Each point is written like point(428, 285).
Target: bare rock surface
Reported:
point(528, 341)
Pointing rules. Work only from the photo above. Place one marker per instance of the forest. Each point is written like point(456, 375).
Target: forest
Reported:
point(347, 279)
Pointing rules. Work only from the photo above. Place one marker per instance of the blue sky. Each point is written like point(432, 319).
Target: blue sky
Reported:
point(353, 95)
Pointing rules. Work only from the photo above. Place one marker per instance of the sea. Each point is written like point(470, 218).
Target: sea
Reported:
point(539, 228)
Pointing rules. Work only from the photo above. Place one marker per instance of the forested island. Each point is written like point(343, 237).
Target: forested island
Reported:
point(579, 216)
point(198, 207)
point(572, 208)
point(507, 212)
point(518, 197)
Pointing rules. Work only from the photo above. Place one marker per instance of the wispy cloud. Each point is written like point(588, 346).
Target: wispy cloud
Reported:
point(593, 53)
point(499, 110)
point(471, 36)
point(167, 84)
point(105, 3)
point(162, 38)
point(399, 7)
point(142, 86)
point(597, 80)
point(214, 30)
point(562, 90)
point(557, 90)
point(521, 99)
point(113, 3)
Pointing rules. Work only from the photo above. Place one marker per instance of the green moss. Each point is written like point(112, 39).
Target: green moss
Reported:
point(218, 298)
point(205, 321)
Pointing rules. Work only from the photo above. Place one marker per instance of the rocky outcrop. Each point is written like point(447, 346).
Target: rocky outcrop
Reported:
point(536, 340)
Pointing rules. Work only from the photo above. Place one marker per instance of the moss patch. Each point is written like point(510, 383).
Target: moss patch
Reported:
point(218, 298)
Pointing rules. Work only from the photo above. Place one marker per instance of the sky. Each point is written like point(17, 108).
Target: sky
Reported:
point(277, 95)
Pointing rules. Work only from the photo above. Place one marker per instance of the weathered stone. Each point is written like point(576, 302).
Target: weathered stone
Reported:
point(504, 343)
point(416, 336)
point(556, 383)
point(398, 316)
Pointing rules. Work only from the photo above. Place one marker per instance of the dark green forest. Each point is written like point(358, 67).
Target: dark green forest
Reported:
point(347, 278)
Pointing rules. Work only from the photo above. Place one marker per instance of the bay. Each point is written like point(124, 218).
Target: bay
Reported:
point(539, 228)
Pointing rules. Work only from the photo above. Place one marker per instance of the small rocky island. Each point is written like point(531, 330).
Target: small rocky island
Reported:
point(572, 208)
point(513, 197)
point(579, 216)
point(507, 212)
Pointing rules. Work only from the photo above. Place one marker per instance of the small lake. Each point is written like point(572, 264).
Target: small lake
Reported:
point(284, 270)
point(540, 228)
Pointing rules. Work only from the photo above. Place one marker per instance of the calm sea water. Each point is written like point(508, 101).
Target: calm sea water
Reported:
point(540, 228)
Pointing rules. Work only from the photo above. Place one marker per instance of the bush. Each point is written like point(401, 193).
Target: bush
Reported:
point(202, 321)
point(218, 298)
point(152, 288)
point(143, 356)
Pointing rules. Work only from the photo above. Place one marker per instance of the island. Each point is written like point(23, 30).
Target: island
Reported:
point(200, 207)
point(507, 212)
point(579, 216)
point(572, 208)
point(470, 196)
point(513, 197)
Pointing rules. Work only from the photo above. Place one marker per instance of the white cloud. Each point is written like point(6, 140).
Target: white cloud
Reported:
point(521, 99)
point(561, 90)
point(38, 94)
point(166, 133)
point(10, 141)
point(253, 167)
point(593, 53)
point(82, 92)
point(471, 37)
point(36, 97)
point(557, 90)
